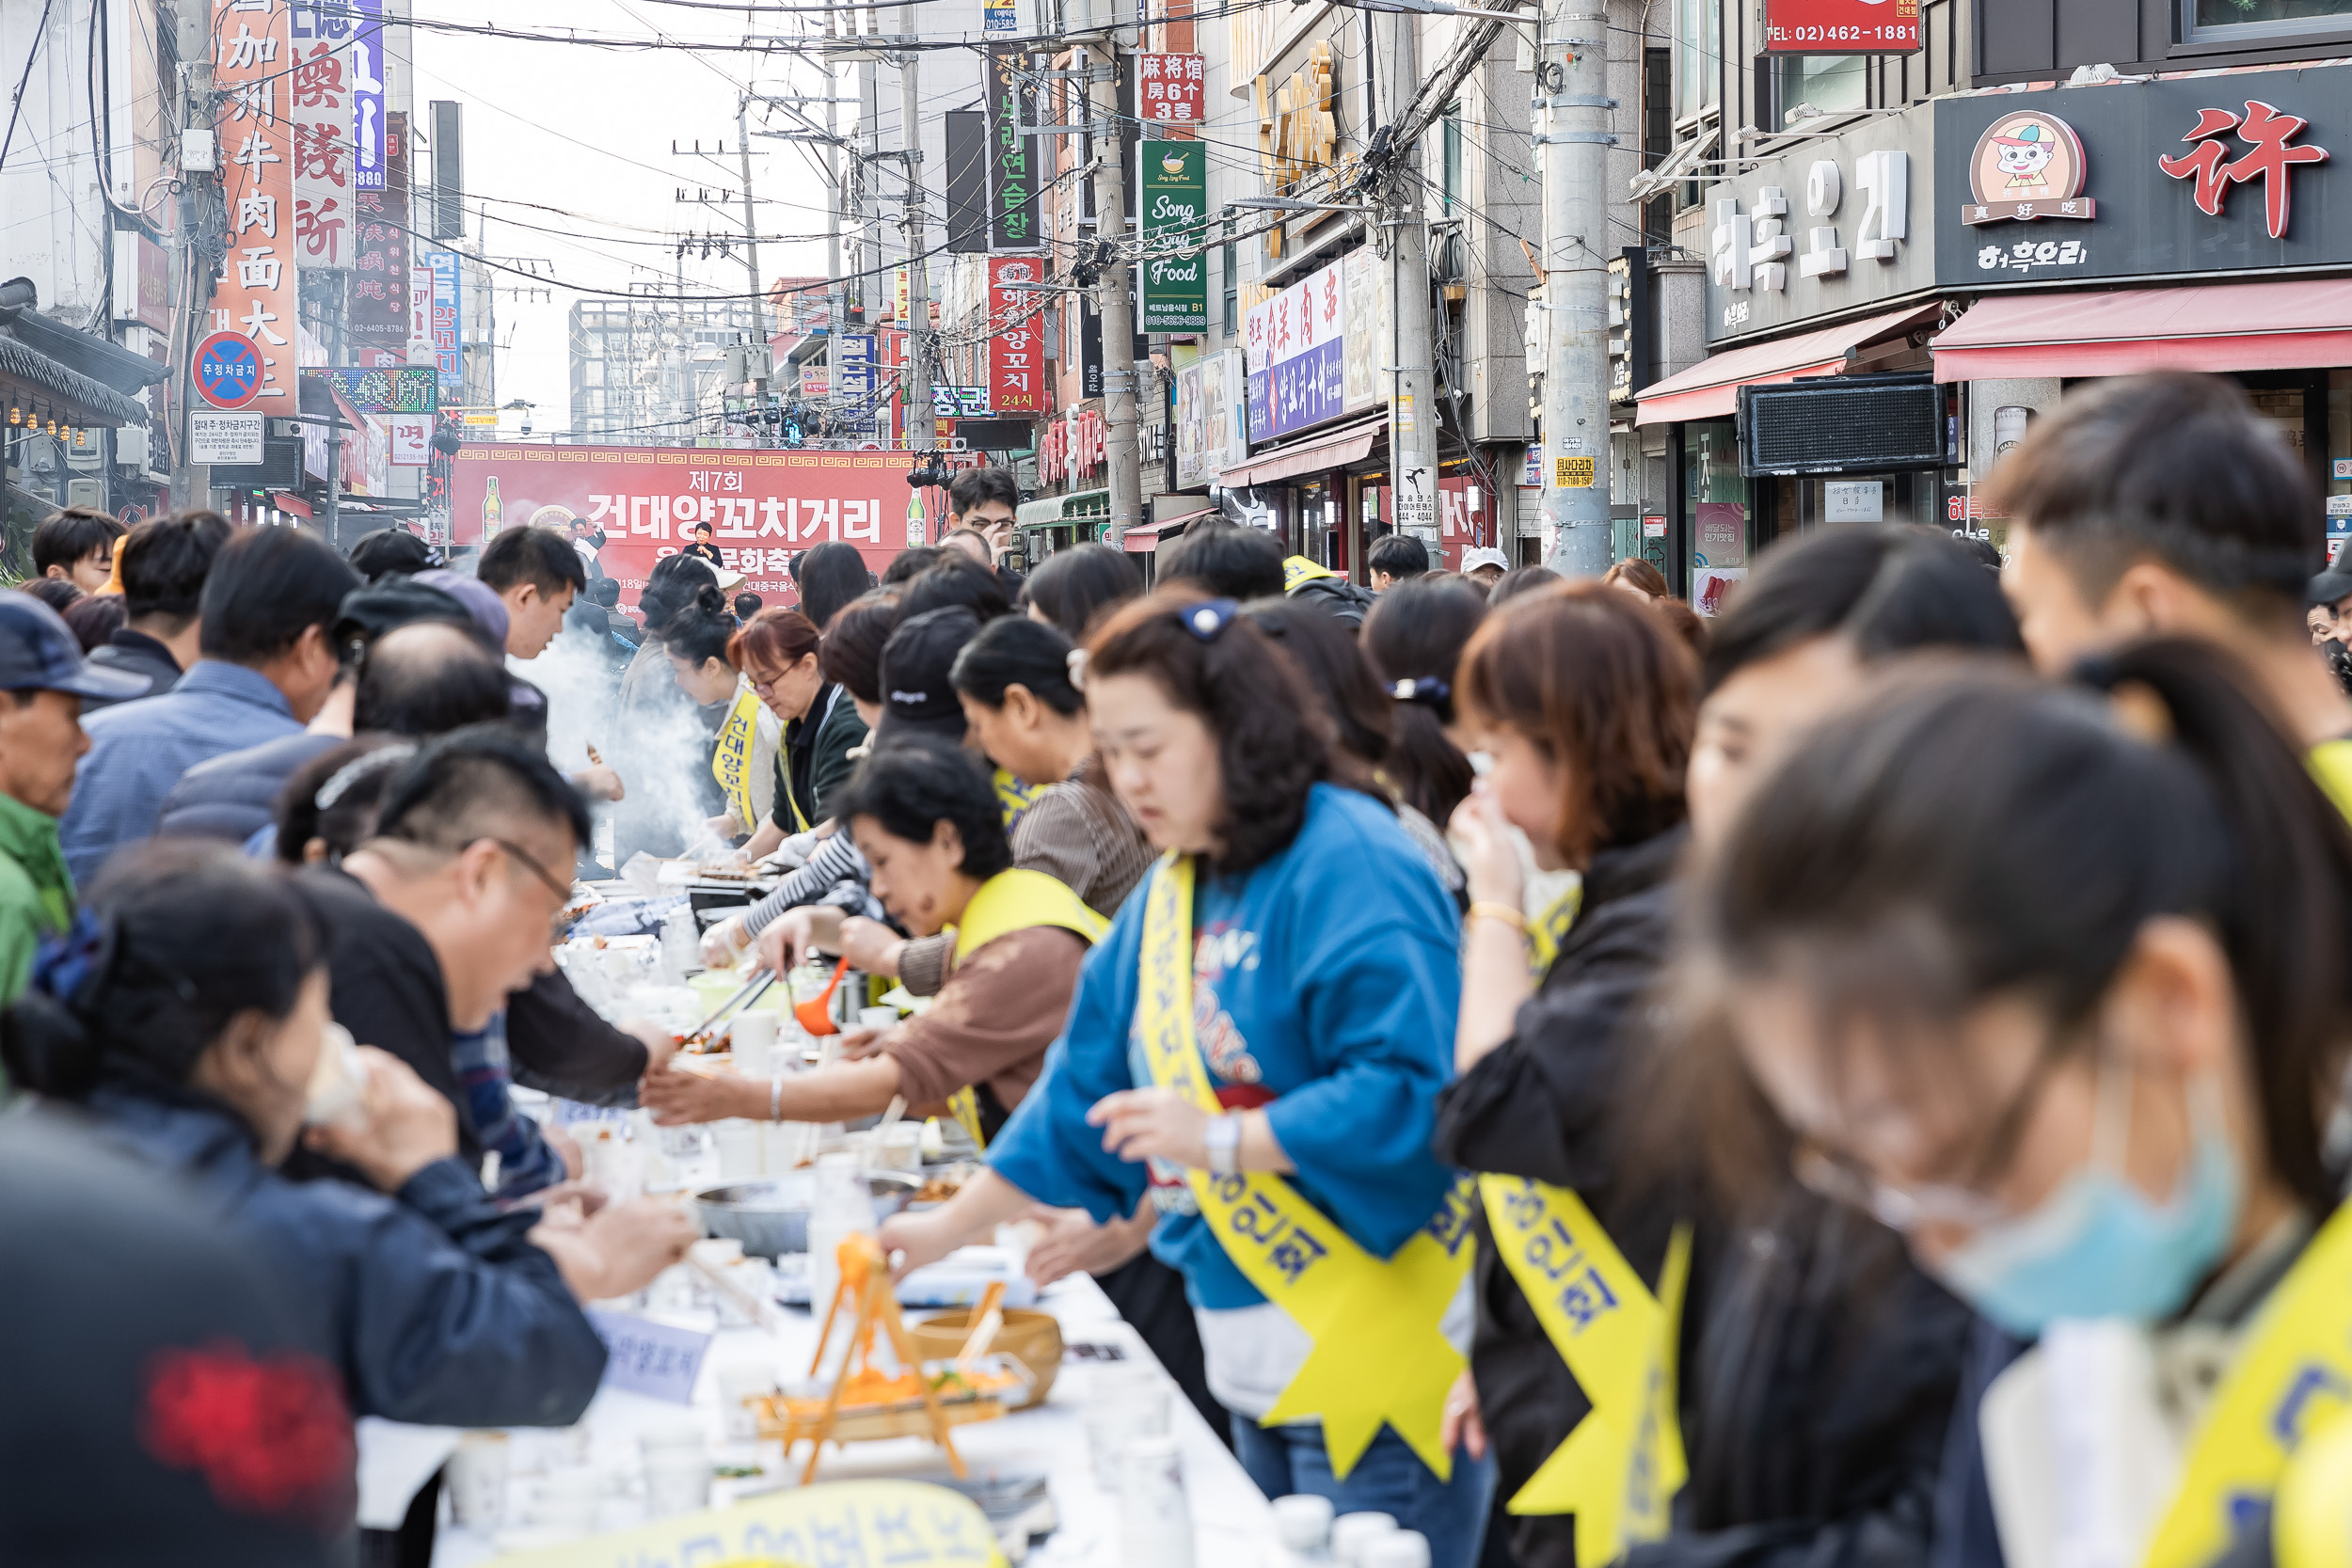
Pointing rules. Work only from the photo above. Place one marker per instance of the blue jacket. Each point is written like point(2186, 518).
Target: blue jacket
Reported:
point(432, 1302)
point(1325, 988)
point(234, 795)
point(139, 749)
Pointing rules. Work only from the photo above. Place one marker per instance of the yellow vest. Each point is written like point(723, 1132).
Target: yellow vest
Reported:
point(1015, 900)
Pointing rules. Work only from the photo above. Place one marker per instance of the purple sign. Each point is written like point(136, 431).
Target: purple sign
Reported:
point(647, 1357)
point(1298, 393)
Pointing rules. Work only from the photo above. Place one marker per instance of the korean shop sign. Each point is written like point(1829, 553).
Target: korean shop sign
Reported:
point(1305, 348)
point(2169, 181)
point(1841, 27)
point(1013, 154)
point(1175, 205)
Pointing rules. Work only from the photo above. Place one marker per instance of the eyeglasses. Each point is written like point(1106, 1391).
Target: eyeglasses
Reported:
point(563, 891)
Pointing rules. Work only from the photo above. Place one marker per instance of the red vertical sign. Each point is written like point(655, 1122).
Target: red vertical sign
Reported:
point(1170, 90)
point(256, 294)
point(1016, 350)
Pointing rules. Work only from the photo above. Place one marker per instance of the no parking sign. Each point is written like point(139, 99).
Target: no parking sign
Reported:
point(228, 370)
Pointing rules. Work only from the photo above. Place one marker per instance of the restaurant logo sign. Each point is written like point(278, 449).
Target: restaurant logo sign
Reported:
point(2271, 160)
point(2028, 165)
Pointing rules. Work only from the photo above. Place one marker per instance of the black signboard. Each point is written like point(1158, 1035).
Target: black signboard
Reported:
point(1090, 350)
point(967, 181)
point(1013, 155)
point(280, 467)
point(2158, 180)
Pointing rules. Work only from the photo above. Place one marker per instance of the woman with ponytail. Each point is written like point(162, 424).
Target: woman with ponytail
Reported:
point(185, 1013)
point(1414, 637)
point(2051, 980)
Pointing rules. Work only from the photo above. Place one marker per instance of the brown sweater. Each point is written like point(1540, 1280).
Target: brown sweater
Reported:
point(992, 1019)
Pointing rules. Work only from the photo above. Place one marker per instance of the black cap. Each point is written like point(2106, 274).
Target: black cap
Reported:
point(367, 613)
point(917, 697)
point(39, 654)
point(2331, 587)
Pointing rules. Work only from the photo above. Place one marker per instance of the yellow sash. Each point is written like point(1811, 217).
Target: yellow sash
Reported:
point(1622, 1465)
point(1015, 900)
point(1548, 929)
point(2290, 1381)
point(1378, 1356)
point(731, 760)
point(1013, 796)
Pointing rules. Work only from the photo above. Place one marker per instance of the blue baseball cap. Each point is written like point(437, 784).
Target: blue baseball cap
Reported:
point(39, 654)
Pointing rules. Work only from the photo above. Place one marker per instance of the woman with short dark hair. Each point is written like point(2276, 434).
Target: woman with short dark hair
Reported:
point(1260, 1046)
point(1076, 588)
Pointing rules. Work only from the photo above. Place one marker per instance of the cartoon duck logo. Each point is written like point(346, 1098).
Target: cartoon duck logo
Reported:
point(2028, 163)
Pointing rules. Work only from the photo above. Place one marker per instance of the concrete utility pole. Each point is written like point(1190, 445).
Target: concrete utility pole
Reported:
point(1412, 401)
point(836, 291)
point(1123, 456)
point(922, 425)
point(757, 357)
point(1572, 103)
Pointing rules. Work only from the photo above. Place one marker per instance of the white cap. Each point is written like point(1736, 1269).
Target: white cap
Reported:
point(1350, 1531)
point(1404, 1548)
point(1303, 1521)
point(1485, 555)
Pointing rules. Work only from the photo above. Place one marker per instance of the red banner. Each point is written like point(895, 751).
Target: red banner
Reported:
point(763, 507)
point(1171, 88)
point(1841, 27)
point(258, 294)
point(1016, 354)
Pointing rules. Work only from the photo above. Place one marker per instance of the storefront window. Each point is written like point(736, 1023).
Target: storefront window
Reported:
point(2224, 18)
point(1698, 55)
point(1714, 512)
point(1832, 83)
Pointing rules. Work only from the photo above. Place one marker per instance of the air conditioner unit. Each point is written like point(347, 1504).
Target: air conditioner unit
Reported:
point(130, 445)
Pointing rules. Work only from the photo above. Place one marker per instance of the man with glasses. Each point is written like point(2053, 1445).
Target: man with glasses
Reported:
point(448, 908)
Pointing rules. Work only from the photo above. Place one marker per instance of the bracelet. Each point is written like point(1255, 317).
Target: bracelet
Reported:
point(1501, 913)
point(776, 1098)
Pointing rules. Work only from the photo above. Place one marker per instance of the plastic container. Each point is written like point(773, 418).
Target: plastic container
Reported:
point(1404, 1548)
point(1154, 1521)
point(1302, 1523)
point(1352, 1532)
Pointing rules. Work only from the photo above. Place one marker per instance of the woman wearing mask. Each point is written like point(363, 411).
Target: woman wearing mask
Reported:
point(1414, 638)
point(186, 1014)
point(2050, 981)
point(1259, 1037)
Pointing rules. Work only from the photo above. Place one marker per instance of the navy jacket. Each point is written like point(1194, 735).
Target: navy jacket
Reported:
point(433, 1304)
point(234, 795)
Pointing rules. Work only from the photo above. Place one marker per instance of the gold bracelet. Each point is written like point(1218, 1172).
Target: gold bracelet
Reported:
point(1486, 908)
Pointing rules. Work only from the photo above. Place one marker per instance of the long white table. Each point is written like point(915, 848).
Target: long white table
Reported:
point(1232, 1525)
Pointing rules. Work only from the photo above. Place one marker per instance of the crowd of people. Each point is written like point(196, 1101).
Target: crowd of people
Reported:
point(1839, 1082)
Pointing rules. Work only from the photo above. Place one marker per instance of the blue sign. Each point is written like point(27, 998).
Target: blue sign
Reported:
point(646, 1357)
point(367, 97)
point(998, 18)
point(853, 385)
point(1305, 389)
point(448, 328)
point(228, 370)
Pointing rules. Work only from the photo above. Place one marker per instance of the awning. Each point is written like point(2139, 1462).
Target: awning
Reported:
point(1060, 511)
point(66, 392)
point(2216, 327)
point(1710, 389)
point(1147, 538)
point(1348, 444)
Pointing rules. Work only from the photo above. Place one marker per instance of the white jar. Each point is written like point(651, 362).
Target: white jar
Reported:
point(1155, 1523)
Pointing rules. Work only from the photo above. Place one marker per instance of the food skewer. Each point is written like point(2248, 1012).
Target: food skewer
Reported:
point(751, 991)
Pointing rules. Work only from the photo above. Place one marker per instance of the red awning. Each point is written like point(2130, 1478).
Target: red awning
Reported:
point(295, 505)
point(1349, 444)
point(2214, 327)
point(1710, 389)
point(1144, 539)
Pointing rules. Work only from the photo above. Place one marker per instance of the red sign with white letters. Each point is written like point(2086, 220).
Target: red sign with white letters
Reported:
point(1016, 347)
point(1172, 89)
point(1841, 27)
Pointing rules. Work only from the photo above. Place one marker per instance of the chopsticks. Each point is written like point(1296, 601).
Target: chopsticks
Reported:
point(988, 1318)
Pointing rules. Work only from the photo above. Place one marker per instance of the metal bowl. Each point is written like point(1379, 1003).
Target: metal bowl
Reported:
point(770, 1216)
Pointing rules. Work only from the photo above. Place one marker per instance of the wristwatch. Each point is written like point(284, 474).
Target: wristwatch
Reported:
point(1221, 1139)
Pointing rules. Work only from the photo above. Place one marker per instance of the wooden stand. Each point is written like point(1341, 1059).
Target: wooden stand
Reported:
point(865, 1284)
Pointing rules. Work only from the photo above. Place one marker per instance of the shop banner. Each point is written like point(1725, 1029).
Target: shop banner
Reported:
point(1175, 196)
point(1173, 89)
point(319, 96)
point(1296, 349)
point(1841, 27)
point(764, 507)
point(449, 343)
point(852, 395)
point(398, 390)
point(1211, 411)
point(370, 134)
point(1013, 153)
point(1016, 349)
point(258, 294)
point(379, 276)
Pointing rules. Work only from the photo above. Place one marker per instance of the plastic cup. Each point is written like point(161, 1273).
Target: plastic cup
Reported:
point(754, 1043)
point(476, 1479)
point(740, 1149)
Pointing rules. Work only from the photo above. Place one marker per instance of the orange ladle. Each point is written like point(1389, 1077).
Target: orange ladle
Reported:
point(816, 1013)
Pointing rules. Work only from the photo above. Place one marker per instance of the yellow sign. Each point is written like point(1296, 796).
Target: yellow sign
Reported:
point(899, 1522)
point(1380, 1355)
point(1622, 1465)
point(1571, 473)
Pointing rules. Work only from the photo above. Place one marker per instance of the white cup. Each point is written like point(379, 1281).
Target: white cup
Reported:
point(1352, 1532)
point(741, 1152)
point(877, 1018)
point(1127, 1404)
point(476, 1479)
point(740, 1381)
point(1402, 1548)
point(900, 1148)
point(569, 1500)
point(676, 1481)
point(788, 1144)
point(613, 1166)
point(754, 1043)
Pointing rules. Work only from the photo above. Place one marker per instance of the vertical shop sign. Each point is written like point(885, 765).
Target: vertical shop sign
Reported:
point(449, 344)
point(1013, 153)
point(853, 385)
point(1296, 347)
point(1171, 89)
point(379, 277)
point(258, 294)
point(1175, 196)
point(967, 182)
point(1016, 352)
point(370, 134)
point(319, 106)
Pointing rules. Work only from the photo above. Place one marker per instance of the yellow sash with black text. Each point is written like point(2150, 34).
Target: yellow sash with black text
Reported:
point(1379, 1353)
point(1015, 900)
point(731, 758)
point(2277, 1424)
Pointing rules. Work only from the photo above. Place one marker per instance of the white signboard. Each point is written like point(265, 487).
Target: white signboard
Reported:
point(1861, 500)
point(219, 435)
point(1210, 411)
point(411, 439)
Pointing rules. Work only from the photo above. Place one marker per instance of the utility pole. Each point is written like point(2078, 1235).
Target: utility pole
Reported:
point(922, 425)
point(1572, 103)
point(1122, 455)
point(1413, 402)
point(837, 293)
point(756, 351)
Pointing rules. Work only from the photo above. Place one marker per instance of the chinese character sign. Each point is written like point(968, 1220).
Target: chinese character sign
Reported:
point(447, 332)
point(1016, 349)
point(2271, 157)
point(370, 153)
point(1296, 349)
point(1013, 153)
point(763, 507)
point(318, 96)
point(380, 251)
point(1169, 88)
point(1841, 27)
point(1175, 269)
point(256, 294)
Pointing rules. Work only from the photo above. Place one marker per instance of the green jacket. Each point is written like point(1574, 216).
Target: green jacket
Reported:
point(36, 891)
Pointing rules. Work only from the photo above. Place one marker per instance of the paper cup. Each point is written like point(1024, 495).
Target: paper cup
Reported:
point(754, 1043)
point(740, 1154)
point(476, 1479)
point(740, 1381)
point(568, 1500)
point(676, 1481)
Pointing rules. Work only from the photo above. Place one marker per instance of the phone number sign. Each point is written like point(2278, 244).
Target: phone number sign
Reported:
point(1841, 27)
